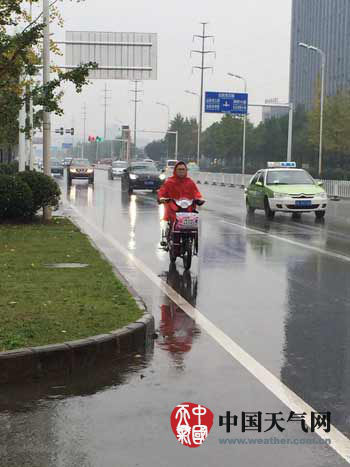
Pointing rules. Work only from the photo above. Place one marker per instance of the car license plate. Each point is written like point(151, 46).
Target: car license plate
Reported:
point(303, 202)
point(149, 183)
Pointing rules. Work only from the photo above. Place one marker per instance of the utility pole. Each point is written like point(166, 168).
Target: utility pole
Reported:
point(31, 110)
point(136, 100)
point(105, 104)
point(46, 114)
point(84, 136)
point(22, 138)
point(203, 53)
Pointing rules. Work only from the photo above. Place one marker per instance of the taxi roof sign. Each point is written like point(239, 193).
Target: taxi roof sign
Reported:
point(279, 165)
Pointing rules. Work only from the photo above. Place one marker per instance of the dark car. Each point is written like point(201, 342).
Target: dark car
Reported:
point(56, 168)
point(142, 176)
point(80, 169)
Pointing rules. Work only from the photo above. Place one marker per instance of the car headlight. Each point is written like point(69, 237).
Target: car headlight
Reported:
point(72, 170)
point(322, 195)
point(133, 176)
point(89, 171)
point(162, 176)
point(278, 195)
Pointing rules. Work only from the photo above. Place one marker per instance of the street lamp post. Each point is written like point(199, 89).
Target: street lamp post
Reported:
point(165, 105)
point(198, 136)
point(244, 126)
point(168, 108)
point(323, 69)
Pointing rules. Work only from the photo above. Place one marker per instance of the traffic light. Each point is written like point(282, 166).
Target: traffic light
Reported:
point(61, 131)
point(91, 139)
point(72, 131)
point(99, 139)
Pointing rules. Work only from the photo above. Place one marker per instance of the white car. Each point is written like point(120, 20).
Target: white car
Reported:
point(284, 188)
point(169, 168)
point(118, 168)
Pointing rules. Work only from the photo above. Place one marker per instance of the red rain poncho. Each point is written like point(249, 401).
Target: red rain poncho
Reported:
point(177, 188)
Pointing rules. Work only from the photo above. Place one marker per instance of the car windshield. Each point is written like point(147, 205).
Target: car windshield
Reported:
point(288, 177)
point(81, 162)
point(144, 168)
point(171, 163)
point(55, 163)
point(119, 164)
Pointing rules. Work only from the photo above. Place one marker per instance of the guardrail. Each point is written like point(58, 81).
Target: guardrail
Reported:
point(334, 188)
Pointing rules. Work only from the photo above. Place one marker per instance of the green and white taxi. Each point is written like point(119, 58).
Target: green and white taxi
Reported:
point(284, 188)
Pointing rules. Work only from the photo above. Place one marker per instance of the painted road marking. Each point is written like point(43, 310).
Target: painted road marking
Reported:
point(292, 242)
point(339, 442)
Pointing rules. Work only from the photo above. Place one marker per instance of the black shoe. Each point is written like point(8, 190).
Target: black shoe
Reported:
point(163, 243)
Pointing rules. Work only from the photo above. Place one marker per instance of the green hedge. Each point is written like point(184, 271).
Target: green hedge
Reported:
point(23, 194)
point(16, 199)
point(9, 169)
point(44, 189)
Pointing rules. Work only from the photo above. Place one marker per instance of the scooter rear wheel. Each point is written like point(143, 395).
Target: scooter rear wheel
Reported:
point(172, 256)
point(187, 257)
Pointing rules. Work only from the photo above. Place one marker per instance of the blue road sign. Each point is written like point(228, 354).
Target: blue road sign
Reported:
point(226, 102)
point(67, 145)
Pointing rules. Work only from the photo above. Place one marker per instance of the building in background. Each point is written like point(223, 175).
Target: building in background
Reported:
point(324, 24)
point(273, 112)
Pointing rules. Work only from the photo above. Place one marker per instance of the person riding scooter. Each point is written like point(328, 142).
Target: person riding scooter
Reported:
point(178, 186)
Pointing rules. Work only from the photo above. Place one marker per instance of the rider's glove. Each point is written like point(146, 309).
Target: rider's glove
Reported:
point(199, 202)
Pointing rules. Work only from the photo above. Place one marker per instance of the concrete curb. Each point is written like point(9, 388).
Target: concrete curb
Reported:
point(35, 363)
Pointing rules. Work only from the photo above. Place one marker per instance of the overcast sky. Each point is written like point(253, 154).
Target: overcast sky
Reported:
point(252, 38)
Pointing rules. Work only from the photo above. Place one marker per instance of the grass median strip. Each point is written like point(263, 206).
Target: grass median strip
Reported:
point(41, 305)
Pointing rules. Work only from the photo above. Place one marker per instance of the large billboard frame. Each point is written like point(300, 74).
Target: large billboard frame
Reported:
point(119, 55)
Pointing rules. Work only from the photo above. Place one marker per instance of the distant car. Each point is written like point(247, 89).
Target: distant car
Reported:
point(169, 167)
point(56, 168)
point(80, 169)
point(67, 161)
point(118, 168)
point(284, 188)
point(148, 160)
point(142, 176)
point(105, 161)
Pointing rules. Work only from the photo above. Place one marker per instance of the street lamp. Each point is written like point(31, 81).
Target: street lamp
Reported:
point(244, 125)
point(323, 68)
point(166, 105)
point(198, 137)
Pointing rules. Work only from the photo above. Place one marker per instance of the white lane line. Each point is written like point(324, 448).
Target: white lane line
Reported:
point(292, 242)
point(339, 442)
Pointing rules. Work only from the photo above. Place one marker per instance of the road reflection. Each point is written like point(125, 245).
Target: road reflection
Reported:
point(316, 350)
point(177, 330)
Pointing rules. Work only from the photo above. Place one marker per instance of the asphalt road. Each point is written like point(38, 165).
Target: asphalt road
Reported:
point(271, 305)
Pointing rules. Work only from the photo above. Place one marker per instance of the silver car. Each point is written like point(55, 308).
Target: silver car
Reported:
point(118, 168)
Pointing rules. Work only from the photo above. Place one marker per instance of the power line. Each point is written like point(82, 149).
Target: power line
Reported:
point(84, 137)
point(105, 104)
point(203, 54)
point(136, 92)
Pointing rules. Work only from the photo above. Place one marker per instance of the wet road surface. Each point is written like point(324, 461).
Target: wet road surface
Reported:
point(278, 289)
